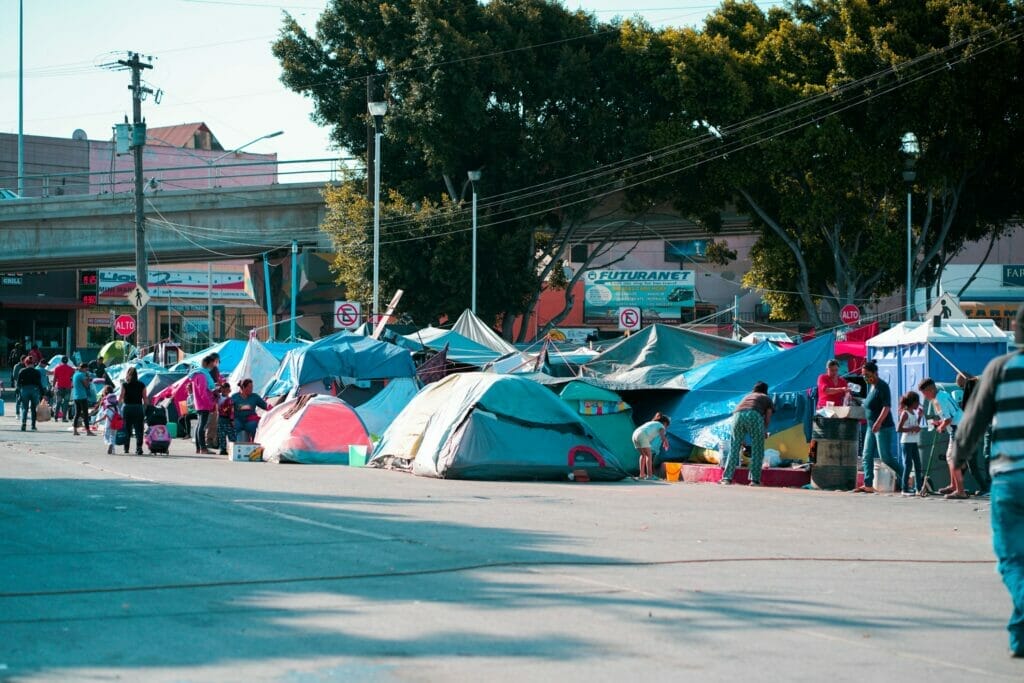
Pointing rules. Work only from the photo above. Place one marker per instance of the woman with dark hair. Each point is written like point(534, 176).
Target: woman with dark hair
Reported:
point(202, 394)
point(751, 418)
point(133, 400)
point(245, 405)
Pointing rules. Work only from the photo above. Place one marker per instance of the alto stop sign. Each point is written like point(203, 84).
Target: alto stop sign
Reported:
point(124, 325)
point(850, 314)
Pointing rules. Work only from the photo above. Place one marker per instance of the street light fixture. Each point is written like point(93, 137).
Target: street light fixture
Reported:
point(377, 110)
point(910, 150)
point(474, 178)
point(210, 162)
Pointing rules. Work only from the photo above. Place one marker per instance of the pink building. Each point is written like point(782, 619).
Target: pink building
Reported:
point(185, 156)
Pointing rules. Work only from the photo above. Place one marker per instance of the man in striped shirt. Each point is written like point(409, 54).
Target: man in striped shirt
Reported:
point(999, 401)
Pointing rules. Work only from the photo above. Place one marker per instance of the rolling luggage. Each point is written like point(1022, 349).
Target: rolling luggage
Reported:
point(157, 439)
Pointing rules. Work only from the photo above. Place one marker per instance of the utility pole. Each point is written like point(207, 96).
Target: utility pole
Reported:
point(135, 63)
point(21, 98)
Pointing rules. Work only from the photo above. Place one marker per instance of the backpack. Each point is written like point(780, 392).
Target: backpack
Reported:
point(116, 421)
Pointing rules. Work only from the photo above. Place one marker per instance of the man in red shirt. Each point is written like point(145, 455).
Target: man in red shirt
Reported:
point(831, 387)
point(62, 379)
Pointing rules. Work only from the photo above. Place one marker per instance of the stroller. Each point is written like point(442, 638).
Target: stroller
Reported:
point(158, 439)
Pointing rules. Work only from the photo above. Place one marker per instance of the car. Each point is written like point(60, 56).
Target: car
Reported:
point(8, 194)
point(680, 294)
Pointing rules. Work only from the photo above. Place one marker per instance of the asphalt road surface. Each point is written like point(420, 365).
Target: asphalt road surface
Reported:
point(191, 568)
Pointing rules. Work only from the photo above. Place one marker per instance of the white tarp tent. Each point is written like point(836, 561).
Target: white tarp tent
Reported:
point(257, 364)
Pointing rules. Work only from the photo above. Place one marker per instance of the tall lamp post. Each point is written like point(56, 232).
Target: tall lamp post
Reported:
point(910, 150)
point(377, 110)
point(474, 178)
point(211, 162)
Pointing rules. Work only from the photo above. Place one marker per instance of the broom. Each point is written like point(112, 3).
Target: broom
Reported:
point(926, 485)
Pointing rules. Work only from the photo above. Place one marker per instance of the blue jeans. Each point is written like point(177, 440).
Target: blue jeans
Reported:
point(880, 445)
point(1008, 543)
point(911, 457)
point(29, 400)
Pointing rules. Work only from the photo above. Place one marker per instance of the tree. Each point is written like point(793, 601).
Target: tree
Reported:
point(524, 89)
point(821, 177)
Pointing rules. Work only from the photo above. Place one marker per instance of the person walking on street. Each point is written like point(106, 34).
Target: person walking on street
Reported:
point(15, 371)
point(30, 389)
point(133, 400)
point(81, 390)
point(978, 465)
point(36, 354)
point(998, 403)
point(910, 425)
point(949, 420)
point(879, 418)
point(63, 377)
point(750, 418)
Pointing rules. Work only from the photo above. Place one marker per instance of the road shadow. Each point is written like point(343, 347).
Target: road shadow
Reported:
point(122, 574)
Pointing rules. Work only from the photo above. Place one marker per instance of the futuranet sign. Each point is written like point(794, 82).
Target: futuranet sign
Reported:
point(661, 295)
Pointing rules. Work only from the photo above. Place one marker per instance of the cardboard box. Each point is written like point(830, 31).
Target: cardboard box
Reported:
point(244, 452)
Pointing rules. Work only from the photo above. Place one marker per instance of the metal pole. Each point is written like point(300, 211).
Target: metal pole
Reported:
point(266, 288)
point(141, 270)
point(376, 224)
point(295, 285)
point(21, 98)
point(209, 301)
point(910, 262)
point(736, 316)
point(473, 289)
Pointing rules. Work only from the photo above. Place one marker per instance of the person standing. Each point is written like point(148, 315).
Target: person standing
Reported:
point(750, 419)
point(225, 418)
point(63, 376)
point(832, 388)
point(30, 389)
point(36, 354)
point(910, 425)
point(212, 434)
point(133, 401)
point(81, 390)
point(878, 442)
point(997, 404)
point(247, 420)
point(948, 421)
point(644, 437)
point(202, 395)
point(15, 370)
point(978, 465)
point(15, 356)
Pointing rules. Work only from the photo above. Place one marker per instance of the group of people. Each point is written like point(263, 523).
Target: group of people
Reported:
point(223, 416)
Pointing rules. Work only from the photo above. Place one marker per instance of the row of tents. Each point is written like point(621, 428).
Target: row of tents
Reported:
point(467, 404)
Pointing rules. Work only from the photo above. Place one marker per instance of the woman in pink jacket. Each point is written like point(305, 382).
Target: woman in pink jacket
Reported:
point(205, 402)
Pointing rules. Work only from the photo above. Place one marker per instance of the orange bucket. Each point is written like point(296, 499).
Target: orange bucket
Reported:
point(673, 470)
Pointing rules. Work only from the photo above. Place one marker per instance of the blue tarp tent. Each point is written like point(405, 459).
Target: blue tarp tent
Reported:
point(460, 349)
point(232, 350)
point(343, 357)
point(702, 416)
point(729, 364)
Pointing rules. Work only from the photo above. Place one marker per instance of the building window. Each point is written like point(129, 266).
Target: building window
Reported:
point(578, 253)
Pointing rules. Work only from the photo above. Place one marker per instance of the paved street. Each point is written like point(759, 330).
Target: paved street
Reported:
point(193, 568)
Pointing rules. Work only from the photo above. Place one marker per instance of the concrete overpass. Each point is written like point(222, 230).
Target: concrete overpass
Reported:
point(86, 231)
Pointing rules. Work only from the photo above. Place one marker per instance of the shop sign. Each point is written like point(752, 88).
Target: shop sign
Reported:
point(1013, 276)
point(98, 322)
point(11, 280)
point(661, 295)
point(178, 284)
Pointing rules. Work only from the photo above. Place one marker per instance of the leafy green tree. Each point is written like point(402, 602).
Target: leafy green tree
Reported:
point(525, 90)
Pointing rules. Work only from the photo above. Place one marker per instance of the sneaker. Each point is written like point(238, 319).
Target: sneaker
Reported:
point(724, 482)
point(753, 483)
point(868, 489)
point(33, 428)
point(110, 450)
point(908, 494)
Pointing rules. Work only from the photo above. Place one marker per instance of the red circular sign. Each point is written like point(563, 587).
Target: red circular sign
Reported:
point(347, 315)
point(124, 325)
point(629, 318)
point(850, 314)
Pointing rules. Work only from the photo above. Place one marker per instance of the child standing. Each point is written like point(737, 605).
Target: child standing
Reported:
point(225, 418)
point(911, 423)
point(112, 421)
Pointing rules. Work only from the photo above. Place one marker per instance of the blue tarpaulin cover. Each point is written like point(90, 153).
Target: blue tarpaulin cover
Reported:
point(702, 416)
point(460, 349)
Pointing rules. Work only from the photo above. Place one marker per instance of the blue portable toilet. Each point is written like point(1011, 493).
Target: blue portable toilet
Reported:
point(911, 351)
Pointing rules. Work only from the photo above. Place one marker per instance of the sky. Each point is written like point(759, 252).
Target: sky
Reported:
point(212, 61)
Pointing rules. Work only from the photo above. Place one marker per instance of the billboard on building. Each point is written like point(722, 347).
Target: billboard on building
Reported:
point(662, 295)
point(177, 284)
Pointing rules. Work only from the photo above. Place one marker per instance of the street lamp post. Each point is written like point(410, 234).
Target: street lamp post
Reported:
point(910, 150)
point(211, 162)
point(377, 111)
point(474, 178)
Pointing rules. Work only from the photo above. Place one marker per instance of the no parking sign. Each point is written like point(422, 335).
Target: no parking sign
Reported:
point(629, 318)
point(346, 315)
